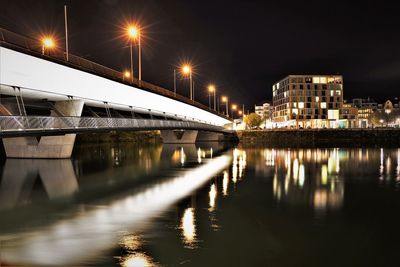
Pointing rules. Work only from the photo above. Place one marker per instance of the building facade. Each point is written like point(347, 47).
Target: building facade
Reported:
point(307, 101)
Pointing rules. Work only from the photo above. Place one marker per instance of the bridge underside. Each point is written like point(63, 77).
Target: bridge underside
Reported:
point(60, 146)
point(27, 136)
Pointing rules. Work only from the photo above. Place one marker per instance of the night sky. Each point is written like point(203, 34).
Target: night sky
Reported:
point(243, 47)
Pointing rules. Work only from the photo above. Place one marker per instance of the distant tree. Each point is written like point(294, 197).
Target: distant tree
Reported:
point(252, 120)
point(383, 118)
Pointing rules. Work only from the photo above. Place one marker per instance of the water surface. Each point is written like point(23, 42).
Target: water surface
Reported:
point(202, 205)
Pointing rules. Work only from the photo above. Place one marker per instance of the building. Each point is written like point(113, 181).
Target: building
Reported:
point(366, 107)
point(264, 112)
point(349, 116)
point(307, 101)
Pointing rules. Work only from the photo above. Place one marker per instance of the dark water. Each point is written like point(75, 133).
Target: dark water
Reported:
point(203, 205)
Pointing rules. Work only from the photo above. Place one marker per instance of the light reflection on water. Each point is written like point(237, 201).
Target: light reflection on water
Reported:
point(236, 194)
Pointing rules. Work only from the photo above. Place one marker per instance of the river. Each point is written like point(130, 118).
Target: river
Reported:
point(202, 205)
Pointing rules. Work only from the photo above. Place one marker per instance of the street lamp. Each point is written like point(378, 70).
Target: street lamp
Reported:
point(233, 108)
point(126, 75)
point(225, 100)
point(133, 33)
point(47, 43)
point(211, 89)
point(187, 70)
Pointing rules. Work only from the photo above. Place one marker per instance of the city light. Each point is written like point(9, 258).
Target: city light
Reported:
point(132, 31)
point(47, 43)
point(240, 112)
point(234, 107)
point(127, 74)
point(211, 88)
point(224, 99)
point(186, 69)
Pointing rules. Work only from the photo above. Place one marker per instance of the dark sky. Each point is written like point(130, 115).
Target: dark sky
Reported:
point(241, 46)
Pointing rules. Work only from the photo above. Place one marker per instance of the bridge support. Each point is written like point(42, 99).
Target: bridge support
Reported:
point(209, 137)
point(179, 137)
point(46, 146)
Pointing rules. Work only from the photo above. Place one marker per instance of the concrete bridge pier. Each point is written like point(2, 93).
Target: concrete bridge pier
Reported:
point(179, 136)
point(204, 136)
point(46, 146)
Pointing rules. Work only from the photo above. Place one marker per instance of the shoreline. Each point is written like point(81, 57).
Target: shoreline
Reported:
point(383, 137)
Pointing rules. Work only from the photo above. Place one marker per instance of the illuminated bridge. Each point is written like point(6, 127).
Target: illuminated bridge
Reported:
point(46, 100)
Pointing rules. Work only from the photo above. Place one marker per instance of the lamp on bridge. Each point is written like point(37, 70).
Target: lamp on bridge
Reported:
point(234, 108)
point(47, 43)
point(187, 70)
point(211, 90)
point(225, 100)
point(127, 75)
point(133, 33)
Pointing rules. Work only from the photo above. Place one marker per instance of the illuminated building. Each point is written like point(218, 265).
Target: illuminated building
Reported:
point(308, 101)
point(264, 112)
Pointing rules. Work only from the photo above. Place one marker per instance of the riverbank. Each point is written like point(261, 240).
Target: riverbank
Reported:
point(384, 137)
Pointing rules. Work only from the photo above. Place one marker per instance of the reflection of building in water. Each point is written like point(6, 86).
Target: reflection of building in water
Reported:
point(238, 164)
point(389, 165)
point(307, 176)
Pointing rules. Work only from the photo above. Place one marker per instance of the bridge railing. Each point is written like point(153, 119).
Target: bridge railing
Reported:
point(34, 47)
point(71, 124)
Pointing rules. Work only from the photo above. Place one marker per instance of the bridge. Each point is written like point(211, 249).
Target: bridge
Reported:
point(45, 100)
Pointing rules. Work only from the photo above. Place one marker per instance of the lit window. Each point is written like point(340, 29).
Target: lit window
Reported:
point(332, 92)
point(323, 105)
point(331, 80)
point(301, 105)
point(322, 79)
point(277, 85)
point(338, 92)
point(333, 114)
point(295, 111)
point(295, 104)
point(315, 79)
point(317, 99)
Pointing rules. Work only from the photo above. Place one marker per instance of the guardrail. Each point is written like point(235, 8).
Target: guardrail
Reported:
point(20, 125)
point(33, 47)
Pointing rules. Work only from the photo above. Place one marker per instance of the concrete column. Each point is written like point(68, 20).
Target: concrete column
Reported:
point(47, 146)
point(209, 137)
point(179, 137)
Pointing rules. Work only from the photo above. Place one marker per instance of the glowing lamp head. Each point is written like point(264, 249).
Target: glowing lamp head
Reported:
point(48, 42)
point(127, 74)
point(234, 107)
point(211, 88)
point(240, 112)
point(133, 32)
point(186, 69)
point(224, 99)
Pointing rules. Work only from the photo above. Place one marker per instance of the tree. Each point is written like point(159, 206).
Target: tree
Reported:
point(252, 120)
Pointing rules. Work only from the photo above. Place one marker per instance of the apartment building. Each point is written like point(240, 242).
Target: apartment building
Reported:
point(307, 101)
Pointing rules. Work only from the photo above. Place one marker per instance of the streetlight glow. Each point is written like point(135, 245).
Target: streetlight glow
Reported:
point(133, 32)
point(211, 88)
point(48, 42)
point(186, 69)
point(224, 99)
point(127, 74)
point(234, 107)
point(240, 112)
